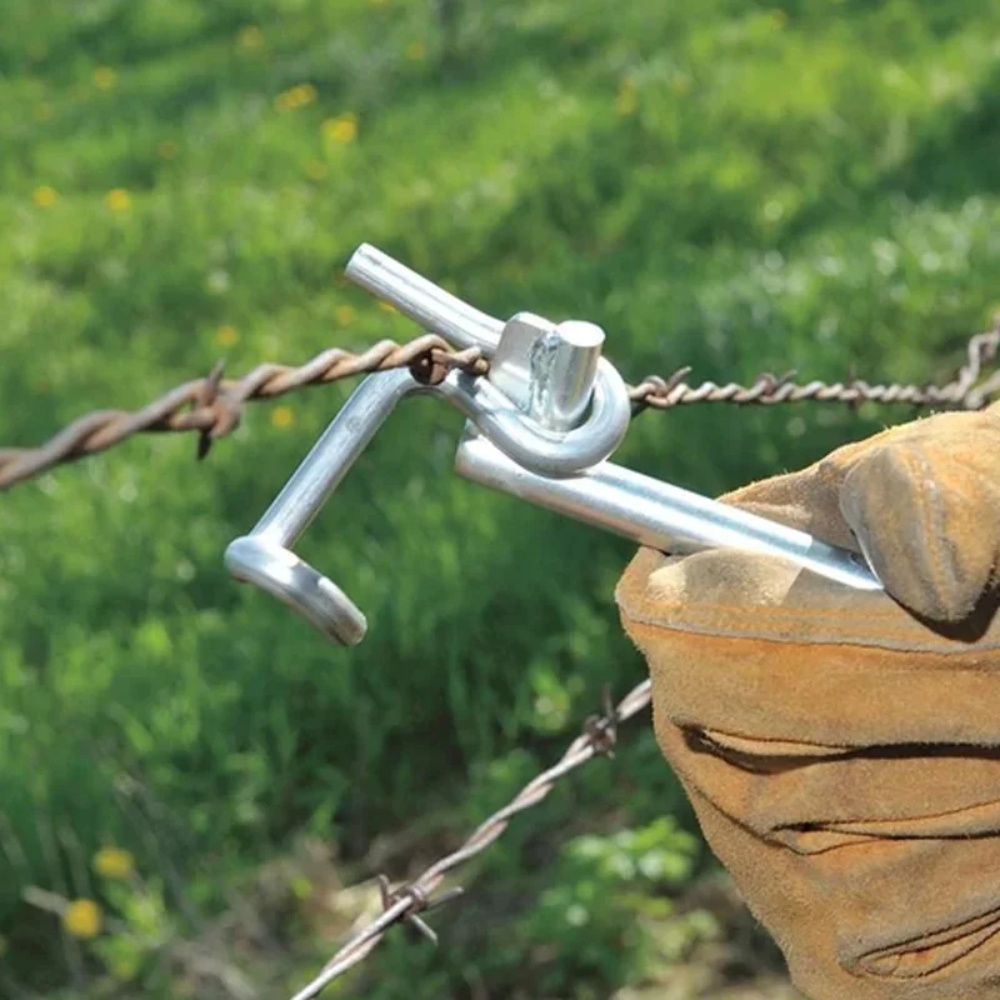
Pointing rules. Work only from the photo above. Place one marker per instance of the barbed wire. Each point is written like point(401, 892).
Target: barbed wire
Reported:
point(965, 391)
point(408, 901)
point(212, 407)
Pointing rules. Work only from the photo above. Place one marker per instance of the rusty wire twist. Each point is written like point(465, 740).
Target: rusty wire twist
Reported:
point(212, 406)
point(966, 391)
point(405, 903)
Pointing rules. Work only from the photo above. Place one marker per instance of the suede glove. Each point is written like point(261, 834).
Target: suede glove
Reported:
point(842, 748)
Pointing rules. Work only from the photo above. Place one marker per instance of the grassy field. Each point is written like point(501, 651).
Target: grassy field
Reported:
point(730, 185)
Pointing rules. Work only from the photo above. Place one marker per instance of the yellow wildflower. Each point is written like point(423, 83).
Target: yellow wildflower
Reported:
point(226, 336)
point(343, 129)
point(282, 417)
point(114, 863)
point(627, 99)
point(82, 919)
point(416, 52)
point(167, 149)
point(316, 170)
point(345, 315)
point(251, 39)
point(387, 307)
point(105, 78)
point(45, 196)
point(297, 97)
point(118, 200)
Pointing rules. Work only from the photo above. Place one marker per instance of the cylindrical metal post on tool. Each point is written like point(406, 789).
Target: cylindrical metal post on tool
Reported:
point(563, 369)
point(422, 301)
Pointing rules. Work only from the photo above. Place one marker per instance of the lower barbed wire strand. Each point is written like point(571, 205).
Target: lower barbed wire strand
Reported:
point(417, 895)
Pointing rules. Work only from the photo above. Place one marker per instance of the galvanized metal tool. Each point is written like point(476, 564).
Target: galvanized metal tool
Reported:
point(541, 425)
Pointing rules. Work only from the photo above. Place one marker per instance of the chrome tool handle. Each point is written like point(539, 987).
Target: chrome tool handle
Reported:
point(542, 425)
point(657, 514)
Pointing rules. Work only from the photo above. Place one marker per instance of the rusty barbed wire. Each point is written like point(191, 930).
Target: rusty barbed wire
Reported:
point(212, 406)
point(405, 903)
point(965, 391)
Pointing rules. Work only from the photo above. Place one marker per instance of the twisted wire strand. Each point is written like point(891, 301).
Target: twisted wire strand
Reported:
point(405, 903)
point(965, 391)
point(212, 406)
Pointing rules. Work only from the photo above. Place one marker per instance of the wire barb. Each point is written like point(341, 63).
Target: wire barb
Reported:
point(208, 394)
point(419, 903)
point(212, 406)
point(602, 730)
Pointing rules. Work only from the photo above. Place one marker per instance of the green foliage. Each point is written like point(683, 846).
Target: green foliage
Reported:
point(734, 186)
point(600, 910)
point(142, 933)
point(587, 919)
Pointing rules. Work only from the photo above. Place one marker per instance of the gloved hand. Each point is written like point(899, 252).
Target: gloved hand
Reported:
point(842, 748)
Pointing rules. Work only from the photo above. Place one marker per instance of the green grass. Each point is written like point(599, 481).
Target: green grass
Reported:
point(734, 186)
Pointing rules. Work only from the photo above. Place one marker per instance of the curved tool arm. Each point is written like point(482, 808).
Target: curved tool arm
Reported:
point(421, 300)
point(264, 557)
point(657, 514)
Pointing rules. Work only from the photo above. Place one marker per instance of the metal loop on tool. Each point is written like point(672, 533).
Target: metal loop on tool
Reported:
point(546, 453)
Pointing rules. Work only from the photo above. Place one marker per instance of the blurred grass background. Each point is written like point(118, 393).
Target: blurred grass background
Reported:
point(737, 186)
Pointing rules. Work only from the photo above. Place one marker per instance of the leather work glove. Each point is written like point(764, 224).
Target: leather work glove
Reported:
point(841, 747)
